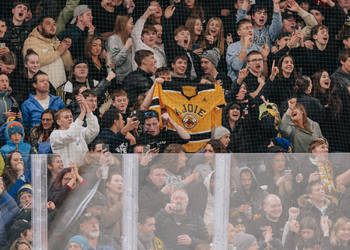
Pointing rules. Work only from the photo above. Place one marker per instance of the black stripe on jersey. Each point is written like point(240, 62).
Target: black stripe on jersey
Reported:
point(177, 86)
point(200, 136)
point(155, 102)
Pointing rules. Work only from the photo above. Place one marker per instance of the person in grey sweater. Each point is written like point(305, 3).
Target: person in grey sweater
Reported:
point(263, 34)
point(119, 47)
point(300, 130)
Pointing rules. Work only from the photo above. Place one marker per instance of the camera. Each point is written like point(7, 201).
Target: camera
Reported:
point(137, 115)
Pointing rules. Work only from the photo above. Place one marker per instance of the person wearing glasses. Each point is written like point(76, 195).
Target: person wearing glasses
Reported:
point(155, 137)
point(253, 74)
point(90, 228)
point(41, 132)
point(236, 52)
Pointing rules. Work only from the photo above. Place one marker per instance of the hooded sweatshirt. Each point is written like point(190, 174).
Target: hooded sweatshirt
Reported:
point(255, 198)
point(51, 61)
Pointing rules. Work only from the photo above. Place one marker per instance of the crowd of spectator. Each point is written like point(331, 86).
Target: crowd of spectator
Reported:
point(82, 81)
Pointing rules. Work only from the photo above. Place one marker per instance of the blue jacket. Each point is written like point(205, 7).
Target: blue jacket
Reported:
point(32, 110)
point(22, 147)
point(8, 209)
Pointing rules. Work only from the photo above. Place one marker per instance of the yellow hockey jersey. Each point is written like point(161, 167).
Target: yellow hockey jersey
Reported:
point(195, 107)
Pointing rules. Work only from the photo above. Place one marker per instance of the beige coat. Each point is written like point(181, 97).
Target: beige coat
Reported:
point(51, 62)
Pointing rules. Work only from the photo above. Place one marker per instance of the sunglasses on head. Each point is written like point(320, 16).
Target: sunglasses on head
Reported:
point(150, 114)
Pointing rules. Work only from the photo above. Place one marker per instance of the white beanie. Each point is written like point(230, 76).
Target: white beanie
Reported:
point(218, 132)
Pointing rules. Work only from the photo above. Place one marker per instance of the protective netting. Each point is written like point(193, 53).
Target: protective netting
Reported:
point(83, 79)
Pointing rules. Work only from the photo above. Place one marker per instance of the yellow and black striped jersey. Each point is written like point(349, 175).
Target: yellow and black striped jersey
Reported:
point(196, 107)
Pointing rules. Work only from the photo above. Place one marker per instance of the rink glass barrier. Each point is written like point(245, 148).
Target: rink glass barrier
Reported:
point(124, 200)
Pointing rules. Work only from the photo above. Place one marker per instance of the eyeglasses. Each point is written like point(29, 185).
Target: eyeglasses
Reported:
point(256, 60)
point(150, 114)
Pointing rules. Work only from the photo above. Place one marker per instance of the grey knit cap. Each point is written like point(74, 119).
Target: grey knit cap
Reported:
point(218, 132)
point(243, 241)
point(213, 55)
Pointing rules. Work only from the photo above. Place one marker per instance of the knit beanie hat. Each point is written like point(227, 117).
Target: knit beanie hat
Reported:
point(218, 132)
point(79, 10)
point(26, 188)
point(213, 55)
point(243, 241)
point(15, 127)
point(81, 241)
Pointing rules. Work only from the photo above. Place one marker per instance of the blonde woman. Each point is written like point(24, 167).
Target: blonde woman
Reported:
point(339, 237)
point(214, 35)
point(194, 24)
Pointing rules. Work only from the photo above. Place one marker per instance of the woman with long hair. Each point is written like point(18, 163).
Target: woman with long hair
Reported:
point(214, 35)
point(298, 128)
point(96, 57)
point(55, 166)
point(282, 86)
point(325, 90)
point(67, 180)
point(336, 237)
point(302, 234)
point(194, 9)
point(194, 24)
point(335, 101)
point(42, 131)
point(14, 173)
point(119, 46)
